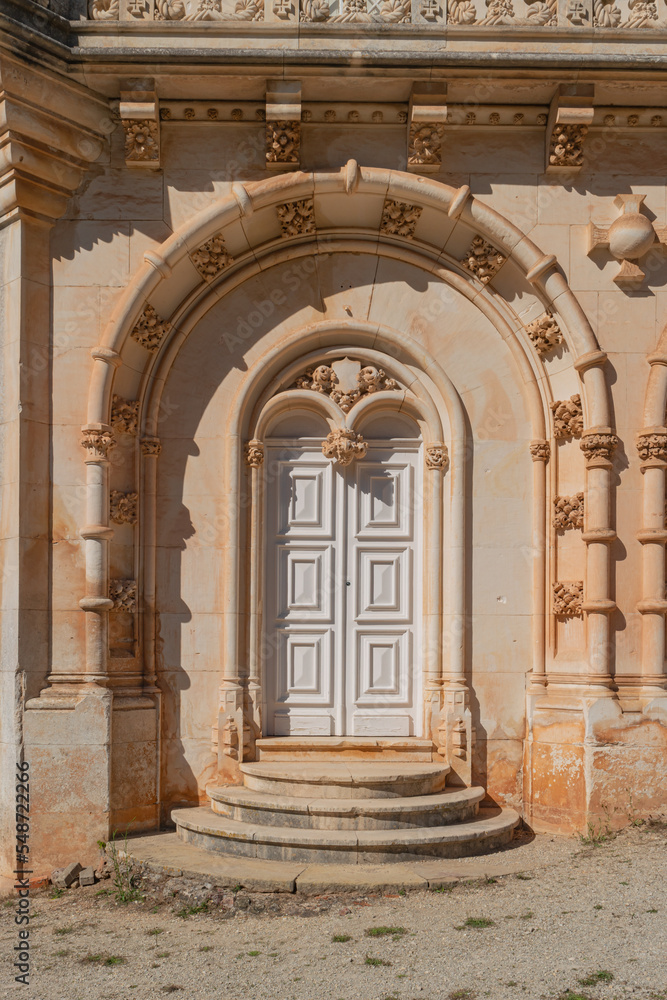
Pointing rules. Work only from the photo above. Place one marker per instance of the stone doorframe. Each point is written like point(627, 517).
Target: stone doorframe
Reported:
point(285, 218)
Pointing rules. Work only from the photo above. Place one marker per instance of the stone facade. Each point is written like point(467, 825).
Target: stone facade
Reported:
point(178, 250)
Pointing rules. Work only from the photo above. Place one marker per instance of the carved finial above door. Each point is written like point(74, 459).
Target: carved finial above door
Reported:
point(345, 381)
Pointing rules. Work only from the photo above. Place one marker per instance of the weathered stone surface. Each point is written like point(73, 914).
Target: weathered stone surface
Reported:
point(87, 877)
point(64, 878)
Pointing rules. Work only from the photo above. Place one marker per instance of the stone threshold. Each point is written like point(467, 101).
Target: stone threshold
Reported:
point(167, 854)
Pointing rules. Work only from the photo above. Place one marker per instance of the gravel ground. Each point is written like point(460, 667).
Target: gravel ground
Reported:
point(592, 913)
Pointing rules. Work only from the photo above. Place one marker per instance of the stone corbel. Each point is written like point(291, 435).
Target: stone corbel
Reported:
point(283, 124)
point(140, 118)
point(570, 115)
point(426, 126)
point(629, 238)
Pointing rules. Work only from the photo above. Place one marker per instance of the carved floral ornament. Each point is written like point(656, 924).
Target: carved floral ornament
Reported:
point(124, 414)
point(437, 457)
point(123, 593)
point(568, 598)
point(142, 140)
point(343, 445)
point(482, 259)
point(569, 512)
point(123, 507)
point(345, 382)
point(150, 330)
point(545, 333)
point(283, 141)
point(568, 417)
point(98, 443)
point(211, 258)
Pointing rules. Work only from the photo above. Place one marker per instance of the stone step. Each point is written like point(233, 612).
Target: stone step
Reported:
point(454, 805)
point(349, 780)
point(200, 826)
point(344, 748)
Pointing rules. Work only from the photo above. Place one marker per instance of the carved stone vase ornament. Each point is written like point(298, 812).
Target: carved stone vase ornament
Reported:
point(343, 446)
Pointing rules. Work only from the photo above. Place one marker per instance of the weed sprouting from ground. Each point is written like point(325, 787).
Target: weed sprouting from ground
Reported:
point(601, 976)
point(395, 932)
point(341, 938)
point(477, 922)
point(371, 960)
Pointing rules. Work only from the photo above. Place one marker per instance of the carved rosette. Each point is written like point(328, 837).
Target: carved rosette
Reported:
point(123, 507)
point(566, 147)
point(124, 414)
point(254, 454)
point(343, 446)
point(323, 379)
point(297, 218)
point(283, 142)
point(540, 451)
point(151, 446)
point(568, 599)
point(425, 144)
point(599, 446)
point(103, 10)
point(545, 333)
point(482, 260)
point(142, 140)
point(568, 417)
point(211, 258)
point(569, 512)
point(652, 447)
point(150, 330)
point(437, 457)
point(98, 443)
point(399, 219)
point(123, 593)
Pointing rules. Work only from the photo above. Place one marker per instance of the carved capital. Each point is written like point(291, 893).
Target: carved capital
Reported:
point(568, 598)
point(653, 446)
point(599, 446)
point(540, 451)
point(437, 456)
point(343, 446)
point(98, 442)
point(254, 454)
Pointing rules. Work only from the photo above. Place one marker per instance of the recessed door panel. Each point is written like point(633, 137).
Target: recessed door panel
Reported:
point(384, 500)
point(305, 584)
point(383, 584)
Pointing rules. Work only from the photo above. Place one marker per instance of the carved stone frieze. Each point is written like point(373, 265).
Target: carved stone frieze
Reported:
point(124, 414)
point(606, 14)
point(123, 507)
point(569, 512)
point(123, 593)
point(356, 11)
point(347, 385)
point(425, 144)
point(399, 219)
point(482, 259)
point(568, 417)
point(599, 446)
point(437, 456)
point(150, 330)
point(208, 10)
point(211, 258)
point(98, 443)
point(568, 597)
point(540, 451)
point(142, 140)
point(297, 218)
point(545, 333)
point(254, 454)
point(343, 446)
point(283, 142)
point(566, 147)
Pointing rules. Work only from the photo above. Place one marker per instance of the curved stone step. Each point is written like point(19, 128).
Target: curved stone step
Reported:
point(491, 829)
point(362, 748)
point(351, 779)
point(268, 809)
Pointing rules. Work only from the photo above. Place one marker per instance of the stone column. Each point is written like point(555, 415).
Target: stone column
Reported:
point(540, 453)
point(598, 444)
point(652, 448)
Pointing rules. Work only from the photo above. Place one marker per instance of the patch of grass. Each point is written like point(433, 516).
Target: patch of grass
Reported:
point(236, 888)
point(528, 915)
point(461, 995)
point(124, 881)
point(597, 832)
point(341, 938)
point(55, 893)
point(189, 911)
point(624, 883)
point(103, 960)
point(402, 892)
point(395, 932)
point(443, 888)
point(163, 954)
point(573, 996)
point(272, 954)
point(253, 954)
point(523, 878)
point(104, 892)
point(206, 947)
point(652, 911)
point(490, 881)
point(512, 982)
point(63, 953)
point(598, 906)
point(601, 976)
point(371, 960)
point(478, 922)
point(63, 930)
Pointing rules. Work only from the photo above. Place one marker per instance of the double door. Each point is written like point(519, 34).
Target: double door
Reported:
point(342, 592)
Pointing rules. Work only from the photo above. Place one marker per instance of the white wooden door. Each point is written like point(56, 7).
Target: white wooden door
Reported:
point(342, 592)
